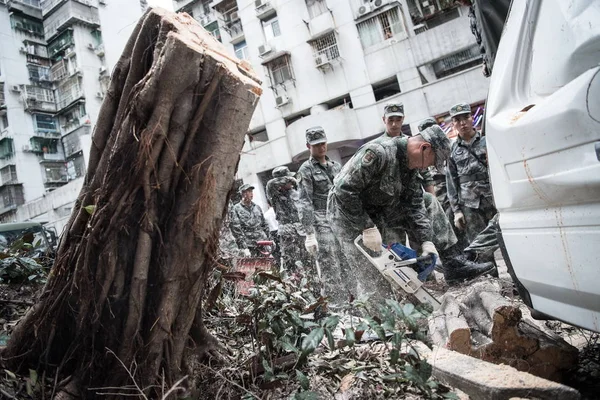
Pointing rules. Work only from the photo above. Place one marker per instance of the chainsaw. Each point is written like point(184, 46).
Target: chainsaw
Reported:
point(398, 264)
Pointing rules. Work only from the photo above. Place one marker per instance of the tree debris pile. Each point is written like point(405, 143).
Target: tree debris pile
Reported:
point(277, 346)
point(480, 322)
point(123, 296)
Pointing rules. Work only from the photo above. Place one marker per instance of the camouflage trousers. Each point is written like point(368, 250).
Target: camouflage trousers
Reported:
point(443, 232)
point(295, 258)
point(486, 243)
point(478, 218)
point(332, 264)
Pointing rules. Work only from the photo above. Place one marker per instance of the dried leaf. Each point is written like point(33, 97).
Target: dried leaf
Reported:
point(346, 382)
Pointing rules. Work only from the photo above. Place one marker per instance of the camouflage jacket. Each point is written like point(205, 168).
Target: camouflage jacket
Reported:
point(425, 177)
point(284, 198)
point(467, 174)
point(376, 181)
point(248, 225)
point(316, 180)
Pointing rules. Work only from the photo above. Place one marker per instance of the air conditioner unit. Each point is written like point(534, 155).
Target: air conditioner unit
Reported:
point(15, 88)
point(234, 16)
point(321, 60)
point(99, 95)
point(379, 3)
point(281, 100)
point(264, 49)
point(23, 49)
point(364, 9)
point(91, 46)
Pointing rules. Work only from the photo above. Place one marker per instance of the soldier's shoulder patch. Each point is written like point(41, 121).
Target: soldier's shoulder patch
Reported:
point(368, 157)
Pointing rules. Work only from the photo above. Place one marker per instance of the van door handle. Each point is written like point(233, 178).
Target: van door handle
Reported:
point(598, 150)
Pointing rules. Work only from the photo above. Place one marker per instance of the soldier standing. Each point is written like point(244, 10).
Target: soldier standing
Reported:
point(467, 176)
point(378, 187)
point(248, 224)
point(283, 195)
point(317, 174)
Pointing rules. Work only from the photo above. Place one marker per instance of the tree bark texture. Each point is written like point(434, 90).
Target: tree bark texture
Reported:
point(126, 286)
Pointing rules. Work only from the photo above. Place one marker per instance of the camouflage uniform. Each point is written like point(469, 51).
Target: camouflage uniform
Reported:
point(376, 188)
point(228, 248)
point(283, 196)
point(468, 184)
point(486, 242)
point(443, 232)
point(316, 180)
point(248, 226)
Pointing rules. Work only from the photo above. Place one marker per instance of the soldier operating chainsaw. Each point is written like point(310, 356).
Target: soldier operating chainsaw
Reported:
point(379, 189)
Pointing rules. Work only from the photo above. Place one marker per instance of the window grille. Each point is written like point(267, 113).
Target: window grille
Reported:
point(69, 91)
point(457, 62)
point(384, 26)
point(326, 46)
point(45, 122)
point(281, 70)
point(27, 25)
point(2, 98)
point(38, 73)
point(39, 93)
point(8, 174)
point(59, 71)
point(316, 7)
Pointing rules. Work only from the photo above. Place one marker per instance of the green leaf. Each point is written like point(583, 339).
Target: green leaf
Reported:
point(312, 340)
point(306, 396)
point(90, 209)
point(303, 380)
point(10, 374)
point(287, 346)
point(350, 339)
point(268, 370)
point(376, 327)
point(394, 356)
point(331, 322)
point(408, 309)
point(330, 339)
point(397, 339)
point(450, 395)
point(392, 377)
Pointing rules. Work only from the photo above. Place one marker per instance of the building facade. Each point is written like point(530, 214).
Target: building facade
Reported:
point(336, 63)
point(55, 63)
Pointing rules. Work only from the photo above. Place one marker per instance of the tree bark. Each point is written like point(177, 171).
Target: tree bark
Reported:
point(126, 285)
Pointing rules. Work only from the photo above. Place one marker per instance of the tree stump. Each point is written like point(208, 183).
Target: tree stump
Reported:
point(124, 294)
point(483, 324)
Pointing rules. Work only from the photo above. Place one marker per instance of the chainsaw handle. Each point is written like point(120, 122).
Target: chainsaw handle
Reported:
point(428, 258)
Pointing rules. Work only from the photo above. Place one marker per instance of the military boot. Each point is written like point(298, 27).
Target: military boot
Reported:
point(457, 267)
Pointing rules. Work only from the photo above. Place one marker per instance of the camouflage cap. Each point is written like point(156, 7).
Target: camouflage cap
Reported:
point(315, 135)
point(244, 187)
point(460, 108)
point(281, 172)
point(393, 110)
point(426, 123)
point(440, 144)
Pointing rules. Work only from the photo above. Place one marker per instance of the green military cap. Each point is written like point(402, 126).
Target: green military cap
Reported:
point(244, 187)
point(393, 110)
point(426, 123)
point(315, 135)
point(281, 172)
point(440, 144)
point(459, 109)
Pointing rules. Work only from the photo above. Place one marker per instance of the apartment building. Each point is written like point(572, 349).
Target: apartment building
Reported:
point(336, 63)
point(55, 62)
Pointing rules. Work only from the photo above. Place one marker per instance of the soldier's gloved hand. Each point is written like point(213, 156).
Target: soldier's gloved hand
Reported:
point(246, 252)
point(459, 220)
point(428, 248)
point(311, 244)
point(372, 239)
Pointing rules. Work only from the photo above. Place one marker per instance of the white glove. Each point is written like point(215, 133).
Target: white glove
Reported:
point(459, 220)
point(311, 244)
point(246, 252)
point(372, 239)
point(428, 248)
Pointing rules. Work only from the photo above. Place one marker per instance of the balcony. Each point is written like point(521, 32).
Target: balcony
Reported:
point(28, 7)
point(38, 98)
point(235, 30)
point(6, 147)
point(43, 146)
point(71, 142)
point(341, 125)
point(69, 92)
point(46, 134)
point(51, 158)
point(66, 14)
point(264, 9)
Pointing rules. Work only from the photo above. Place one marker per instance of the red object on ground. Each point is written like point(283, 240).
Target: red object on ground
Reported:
point(248, 266)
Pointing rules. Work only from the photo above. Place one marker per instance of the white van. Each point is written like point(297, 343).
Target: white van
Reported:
point(543, 136)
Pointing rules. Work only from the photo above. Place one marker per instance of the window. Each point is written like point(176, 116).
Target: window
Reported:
point(68, 91)
point(213, 29)
point(241, 50)
point(45, 122)
point(63, 41)
point(427, 14)
point(12, 196)
point(97, 35)
point(2, 98)
point(386, 88)
point(38, 73)
point(8, 174)
point(27, 25)
point(316, 7)
point(55, 173)
point(39, 93)
point(458, 61)
point(326, 46)
point(260, 136)
point(4, 122)
point(381, 27)
point(35, 49)
point(280, 70)
point(271, 28)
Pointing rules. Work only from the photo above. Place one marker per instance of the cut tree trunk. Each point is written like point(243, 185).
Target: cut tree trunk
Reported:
point(125, 290)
